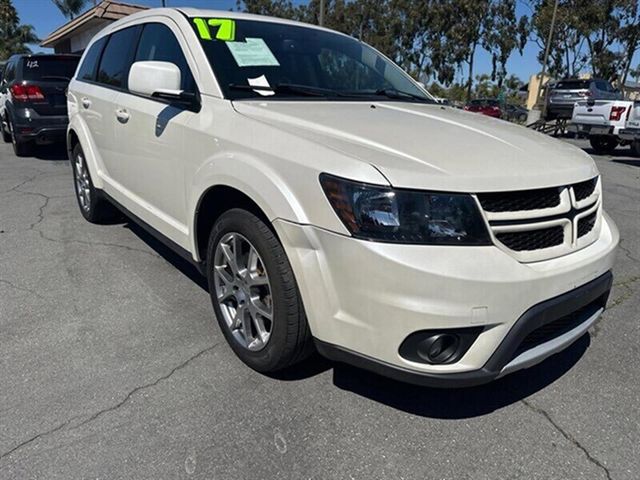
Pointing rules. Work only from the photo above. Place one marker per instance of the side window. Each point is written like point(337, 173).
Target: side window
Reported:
point(87, 70)
point(158, 42)
point(115, 62)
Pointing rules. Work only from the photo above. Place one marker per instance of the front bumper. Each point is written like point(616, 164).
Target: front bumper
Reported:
point(363, 299)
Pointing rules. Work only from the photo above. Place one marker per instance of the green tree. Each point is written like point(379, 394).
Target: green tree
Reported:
point(503, 33)
point(567, 56)
point(14, 37)
point(600, 34)
point(70, 8)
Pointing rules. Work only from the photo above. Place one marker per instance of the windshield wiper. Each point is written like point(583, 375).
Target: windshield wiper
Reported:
point(289, 88)
point(394, 93)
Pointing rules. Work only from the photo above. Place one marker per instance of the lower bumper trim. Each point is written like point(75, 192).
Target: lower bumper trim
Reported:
point(504, 360)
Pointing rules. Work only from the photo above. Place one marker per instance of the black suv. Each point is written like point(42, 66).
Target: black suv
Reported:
point(33, 90)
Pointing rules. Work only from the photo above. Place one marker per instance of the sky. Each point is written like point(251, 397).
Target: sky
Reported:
point(46, 17)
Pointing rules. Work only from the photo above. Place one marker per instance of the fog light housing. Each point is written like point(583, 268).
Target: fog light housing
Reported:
point(438, 347)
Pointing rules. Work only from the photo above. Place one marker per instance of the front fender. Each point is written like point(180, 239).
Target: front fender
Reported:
point(254, 178)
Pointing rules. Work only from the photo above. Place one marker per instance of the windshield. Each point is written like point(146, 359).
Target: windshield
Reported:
point(49, 68)
point(289, 61)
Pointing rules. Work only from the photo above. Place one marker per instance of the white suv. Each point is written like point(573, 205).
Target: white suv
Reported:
point(333, 204)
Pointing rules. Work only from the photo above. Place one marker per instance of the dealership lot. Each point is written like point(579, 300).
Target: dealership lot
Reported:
point(111, 366)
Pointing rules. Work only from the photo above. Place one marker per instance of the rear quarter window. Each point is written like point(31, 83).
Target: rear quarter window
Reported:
point(87, 70)
point(49, 68)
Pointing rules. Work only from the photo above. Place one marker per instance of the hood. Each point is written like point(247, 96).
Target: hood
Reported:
point(427, 146)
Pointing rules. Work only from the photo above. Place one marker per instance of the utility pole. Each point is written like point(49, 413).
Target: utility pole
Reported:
point(545, 60)
point(321, 13)
point(164, 3)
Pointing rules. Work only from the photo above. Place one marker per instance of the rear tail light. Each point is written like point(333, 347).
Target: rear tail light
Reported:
point(24, 93)
point(616, 113)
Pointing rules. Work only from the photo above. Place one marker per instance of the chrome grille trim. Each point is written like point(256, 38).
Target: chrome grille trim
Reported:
point(577, 202)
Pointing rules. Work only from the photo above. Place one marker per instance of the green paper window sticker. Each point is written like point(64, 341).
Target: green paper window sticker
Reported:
point(226, 28)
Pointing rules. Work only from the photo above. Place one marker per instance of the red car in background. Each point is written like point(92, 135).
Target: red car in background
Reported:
point(485, 106)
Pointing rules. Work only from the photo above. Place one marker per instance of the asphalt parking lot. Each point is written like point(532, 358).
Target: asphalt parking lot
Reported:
point(111, 366)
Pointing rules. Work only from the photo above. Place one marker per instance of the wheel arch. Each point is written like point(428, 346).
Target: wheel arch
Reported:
point(212, 204)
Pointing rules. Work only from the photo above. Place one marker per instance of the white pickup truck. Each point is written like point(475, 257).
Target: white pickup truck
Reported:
point(631, 132)
point(602, 120)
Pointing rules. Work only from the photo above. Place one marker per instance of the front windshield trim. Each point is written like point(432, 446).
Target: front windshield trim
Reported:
point(417, 93)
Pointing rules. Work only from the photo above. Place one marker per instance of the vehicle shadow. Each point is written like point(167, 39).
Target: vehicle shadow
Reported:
point(184, 266)
point(460, 403)
point(634, 162)
point(417, 400)
point(56, 152)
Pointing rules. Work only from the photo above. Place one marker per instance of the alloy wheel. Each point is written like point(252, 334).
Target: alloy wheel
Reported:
point(83, 186)
point(243, 291)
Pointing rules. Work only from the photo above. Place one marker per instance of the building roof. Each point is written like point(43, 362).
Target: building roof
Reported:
point(107, 10)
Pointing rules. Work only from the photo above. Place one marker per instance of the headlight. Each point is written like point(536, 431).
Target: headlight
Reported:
point(384, 214)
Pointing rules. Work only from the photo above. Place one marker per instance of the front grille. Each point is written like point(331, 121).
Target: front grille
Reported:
point(586, 224)
point(532, 239)
point(584, 190)
point(559, 327)
point(519, 201)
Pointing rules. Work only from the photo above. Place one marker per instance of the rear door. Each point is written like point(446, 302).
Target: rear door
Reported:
point(51, 74)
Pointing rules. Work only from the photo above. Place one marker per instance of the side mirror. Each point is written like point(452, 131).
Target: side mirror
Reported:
point(160, 80)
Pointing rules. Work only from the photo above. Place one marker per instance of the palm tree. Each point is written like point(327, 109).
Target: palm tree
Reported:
point(70, 8)
point(14, 38)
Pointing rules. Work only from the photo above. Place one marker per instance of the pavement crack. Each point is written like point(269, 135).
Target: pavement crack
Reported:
point(30, 179)
point(128, 396)
point(628, 253)
point(568, 437)
point(112, 408)
point(36, 437)
point(626, 294)
point(21, 289)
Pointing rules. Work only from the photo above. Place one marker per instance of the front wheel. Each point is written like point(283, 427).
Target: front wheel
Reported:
point(603, 145)
point(254, 293)
point(635, 148)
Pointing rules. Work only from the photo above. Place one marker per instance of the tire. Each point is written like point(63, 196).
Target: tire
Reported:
point(635, 148)
point(603, 145)
point(93, 206)
point(21, 148)
point(6, 134)
point(270, 344)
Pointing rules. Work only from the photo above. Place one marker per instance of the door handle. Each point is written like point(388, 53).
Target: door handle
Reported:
point(86, 103)
point(122, 115)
